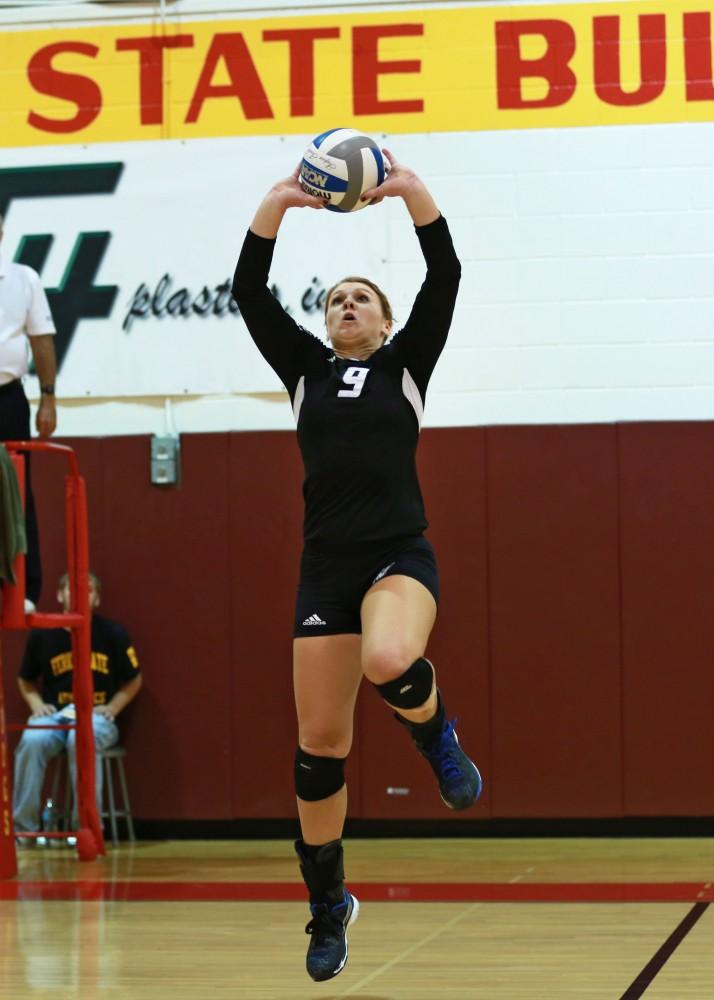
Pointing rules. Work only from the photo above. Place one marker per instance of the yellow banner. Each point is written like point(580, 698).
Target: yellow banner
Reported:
point(461, 69)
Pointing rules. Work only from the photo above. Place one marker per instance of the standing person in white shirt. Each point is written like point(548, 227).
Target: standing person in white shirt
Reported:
point(25, 317)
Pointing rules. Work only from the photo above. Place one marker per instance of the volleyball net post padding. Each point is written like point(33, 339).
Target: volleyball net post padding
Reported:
point(89, 835)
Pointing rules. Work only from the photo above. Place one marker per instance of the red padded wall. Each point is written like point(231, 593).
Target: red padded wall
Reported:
point(165, 570)
point(552, 499)
point(264, 548)
point(574, 636)
point(667, 475)
point(167, 559)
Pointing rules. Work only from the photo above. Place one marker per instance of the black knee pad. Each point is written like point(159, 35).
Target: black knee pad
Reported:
point(317, 777)
point(412, 689)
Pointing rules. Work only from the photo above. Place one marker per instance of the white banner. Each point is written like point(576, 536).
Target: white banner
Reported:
point(586, 290)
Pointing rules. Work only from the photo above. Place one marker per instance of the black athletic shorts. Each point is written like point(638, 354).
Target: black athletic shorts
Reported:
point(333, 584)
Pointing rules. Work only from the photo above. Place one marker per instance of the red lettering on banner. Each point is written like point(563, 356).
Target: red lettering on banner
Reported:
point(553, 67)
point(302, 64)
point(698, 56)
point(72, 87)
point(151, 71)
point(653, 60)
point(245, 83)
point(229, 58)
point(367, 68)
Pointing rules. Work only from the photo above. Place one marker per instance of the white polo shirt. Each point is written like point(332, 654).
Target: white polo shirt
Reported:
point(24, 312)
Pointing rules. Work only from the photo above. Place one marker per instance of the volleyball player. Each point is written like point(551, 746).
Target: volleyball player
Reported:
point(368, 588)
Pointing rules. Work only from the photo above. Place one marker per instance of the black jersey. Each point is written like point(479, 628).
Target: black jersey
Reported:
point(357, 421)
point(48, 659)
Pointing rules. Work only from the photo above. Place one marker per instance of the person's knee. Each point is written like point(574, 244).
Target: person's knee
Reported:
point(412, 688)
point(35, 740)
point(317, 777)
point(388, 662)
point(325, 742)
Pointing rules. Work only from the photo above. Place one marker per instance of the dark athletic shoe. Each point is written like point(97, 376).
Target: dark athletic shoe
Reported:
point(459, 780)
point(327, 951)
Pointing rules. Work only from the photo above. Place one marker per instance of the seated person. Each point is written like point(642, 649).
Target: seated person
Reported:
point(45, 683)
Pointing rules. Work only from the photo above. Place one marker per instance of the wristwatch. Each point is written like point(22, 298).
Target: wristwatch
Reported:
point(48, 390)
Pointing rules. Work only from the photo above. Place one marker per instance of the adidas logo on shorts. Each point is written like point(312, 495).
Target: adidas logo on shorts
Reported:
point(314, 620)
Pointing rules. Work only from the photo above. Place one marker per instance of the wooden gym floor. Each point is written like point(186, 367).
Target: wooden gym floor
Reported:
point(440, 920)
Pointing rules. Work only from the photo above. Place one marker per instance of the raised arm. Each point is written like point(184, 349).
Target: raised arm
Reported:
point(286, 194)
point(402, 182)
point(277, 336)
point(422, 338)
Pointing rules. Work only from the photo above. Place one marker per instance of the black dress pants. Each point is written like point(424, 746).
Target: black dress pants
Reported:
point(15, 426)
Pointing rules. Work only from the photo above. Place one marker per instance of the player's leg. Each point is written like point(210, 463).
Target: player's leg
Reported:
point(326, 674)
point(326, 679)
point(34, 750)
point(398, 614)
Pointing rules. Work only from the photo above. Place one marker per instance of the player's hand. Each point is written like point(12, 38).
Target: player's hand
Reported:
point(286, 194)
point(106, 711)
point(43, 711)
point(46, 419)
point(400, 182)
point(292, 194)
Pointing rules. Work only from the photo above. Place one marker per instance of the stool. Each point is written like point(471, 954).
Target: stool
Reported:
point(116, 754)
point(112, 755)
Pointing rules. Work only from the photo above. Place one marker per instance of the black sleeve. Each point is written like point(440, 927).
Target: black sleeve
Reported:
point(32, 660)
point(125, 663)
point(420, 342)
point(283, 344)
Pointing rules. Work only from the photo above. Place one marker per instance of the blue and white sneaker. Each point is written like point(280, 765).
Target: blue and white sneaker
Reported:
point(328, 951)
point(459, 780)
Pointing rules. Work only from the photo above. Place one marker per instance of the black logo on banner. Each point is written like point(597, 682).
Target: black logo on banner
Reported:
point(164, 301)
point(77, 297)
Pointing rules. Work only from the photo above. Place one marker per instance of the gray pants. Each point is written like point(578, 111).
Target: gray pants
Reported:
point(36, 748)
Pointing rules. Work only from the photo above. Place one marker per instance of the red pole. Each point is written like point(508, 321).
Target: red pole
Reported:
point(90, 838)
point(13, 616)
point(8, 855)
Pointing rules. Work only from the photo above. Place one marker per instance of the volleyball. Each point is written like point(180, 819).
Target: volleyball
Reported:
point(339, 165)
